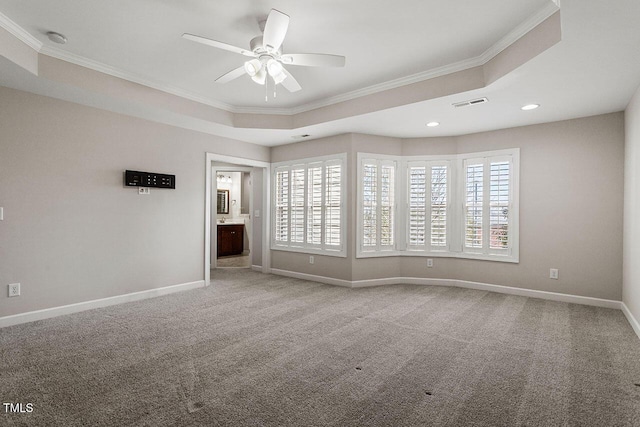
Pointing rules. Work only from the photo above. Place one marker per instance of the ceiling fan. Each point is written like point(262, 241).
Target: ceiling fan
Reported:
point(268, 59)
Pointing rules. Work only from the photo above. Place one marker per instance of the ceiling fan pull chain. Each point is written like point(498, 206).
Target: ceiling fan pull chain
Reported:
point(275, 86)
point(266, 90)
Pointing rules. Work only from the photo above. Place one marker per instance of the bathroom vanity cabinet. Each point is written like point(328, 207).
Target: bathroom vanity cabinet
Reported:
point(230, 239)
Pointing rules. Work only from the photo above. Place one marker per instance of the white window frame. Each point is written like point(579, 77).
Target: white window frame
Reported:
point(455, 208)
point(512, 253)
point(428, 164)
point(380, 161)
point(304, 246)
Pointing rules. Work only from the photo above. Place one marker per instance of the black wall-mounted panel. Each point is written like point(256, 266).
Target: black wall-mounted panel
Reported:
point(149, 179)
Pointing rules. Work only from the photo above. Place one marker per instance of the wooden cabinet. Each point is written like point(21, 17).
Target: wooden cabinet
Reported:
point(230, 239)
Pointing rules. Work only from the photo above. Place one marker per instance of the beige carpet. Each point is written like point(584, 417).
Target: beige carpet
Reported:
point(260, 350)
point(234, 261)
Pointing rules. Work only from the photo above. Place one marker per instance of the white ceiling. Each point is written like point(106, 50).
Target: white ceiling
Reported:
point(593, 70)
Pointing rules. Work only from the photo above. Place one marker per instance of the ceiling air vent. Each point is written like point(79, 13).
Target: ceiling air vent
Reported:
point(472, 102)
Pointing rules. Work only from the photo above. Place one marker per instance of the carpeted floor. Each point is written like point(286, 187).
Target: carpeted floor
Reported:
point(266, 350)
point(234, 261)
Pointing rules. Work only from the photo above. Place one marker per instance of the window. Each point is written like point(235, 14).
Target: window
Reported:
point(428, 205)
point(474, 186)
point(457, 205)
point(309, 207)
point(488, 205)
point(377, 204)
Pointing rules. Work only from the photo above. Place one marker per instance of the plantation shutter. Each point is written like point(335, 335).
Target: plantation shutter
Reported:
point(297, 204)
point(333, 197)
point(439, 202)
point(281, 217)
point(474, 192)
point(428, 206)
point(463, 205)
point(308, 206)
point(387, 205)
point(417, 205)
point(314, 205)
point(500, 203)
point(369, 205)
point(378, 204)
point(488, 203)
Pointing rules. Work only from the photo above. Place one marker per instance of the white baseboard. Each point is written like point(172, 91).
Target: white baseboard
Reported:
point(312, 277)
point(553, 296)
point(632, 320)
point(47, 313)
point(257, 268)
point(402, 280)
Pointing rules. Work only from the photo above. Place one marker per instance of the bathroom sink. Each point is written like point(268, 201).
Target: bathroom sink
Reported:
point(231, 221)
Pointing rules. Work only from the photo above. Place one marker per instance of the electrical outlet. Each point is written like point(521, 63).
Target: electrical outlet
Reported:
point(144, 190)
point(312, 260)
point(429, 262)
point(553, 273)
point(14, 290)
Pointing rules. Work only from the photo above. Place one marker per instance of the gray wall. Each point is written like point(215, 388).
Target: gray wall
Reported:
point(571, 199)
point(71, 231)
point(258, 223)
point(631, 262)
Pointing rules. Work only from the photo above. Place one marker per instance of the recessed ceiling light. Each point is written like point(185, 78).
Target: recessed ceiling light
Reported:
point(433, 124)
point(530, 107)
point(56, 37)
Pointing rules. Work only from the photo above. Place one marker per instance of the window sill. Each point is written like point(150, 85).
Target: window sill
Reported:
point(334, 253)
point(439, 254)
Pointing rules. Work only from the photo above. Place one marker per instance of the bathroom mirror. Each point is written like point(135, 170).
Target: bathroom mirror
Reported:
point(223, 202)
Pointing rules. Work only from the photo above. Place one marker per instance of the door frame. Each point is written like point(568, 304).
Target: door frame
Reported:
point(239, 162)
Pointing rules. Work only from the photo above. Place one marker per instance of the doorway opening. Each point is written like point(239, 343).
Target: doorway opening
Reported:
point(233, 227)
point(237, 214)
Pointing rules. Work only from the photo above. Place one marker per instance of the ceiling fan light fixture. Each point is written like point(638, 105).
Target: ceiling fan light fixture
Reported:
point(274, 67)
point(260, 77)
point(276, 70)
point(253, 67)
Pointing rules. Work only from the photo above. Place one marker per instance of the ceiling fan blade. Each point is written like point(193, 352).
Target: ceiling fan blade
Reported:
point(290, 83)
point(274, 30)
point(218, 44)
point(233, 74)
point(313, 59)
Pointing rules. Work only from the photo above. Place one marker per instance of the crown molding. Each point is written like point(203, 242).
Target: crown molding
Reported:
point(518, 32)
point(261, 110)
point(370, 90)
point(20, 33)
point(391, 84)
point(486, 56)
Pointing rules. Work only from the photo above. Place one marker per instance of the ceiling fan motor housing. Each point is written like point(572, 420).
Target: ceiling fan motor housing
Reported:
point(257, 47)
